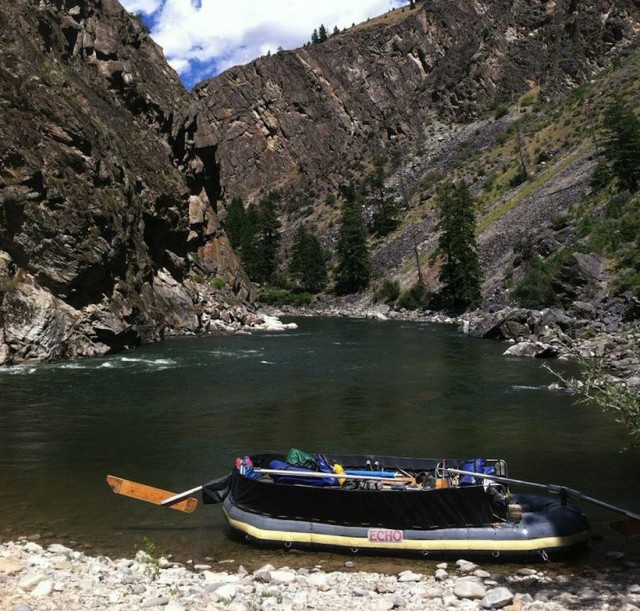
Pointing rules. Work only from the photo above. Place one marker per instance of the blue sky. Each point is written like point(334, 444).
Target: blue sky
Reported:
point(202, 38)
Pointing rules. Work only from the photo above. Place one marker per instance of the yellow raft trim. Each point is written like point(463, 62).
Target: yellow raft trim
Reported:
point(408, 544)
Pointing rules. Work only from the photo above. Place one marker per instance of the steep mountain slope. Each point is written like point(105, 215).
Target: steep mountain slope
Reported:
point(109, 233)
point(299, 118)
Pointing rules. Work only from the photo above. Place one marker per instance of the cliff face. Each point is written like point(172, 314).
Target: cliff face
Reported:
point(300, 117)
point(109, 229)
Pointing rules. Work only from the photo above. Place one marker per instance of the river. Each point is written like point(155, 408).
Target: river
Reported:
point(176, 414)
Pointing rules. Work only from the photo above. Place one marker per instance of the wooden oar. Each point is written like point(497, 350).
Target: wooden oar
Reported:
point(562, 490)
point(157, 496)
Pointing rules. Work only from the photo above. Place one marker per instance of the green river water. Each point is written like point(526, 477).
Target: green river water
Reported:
point(176, 414)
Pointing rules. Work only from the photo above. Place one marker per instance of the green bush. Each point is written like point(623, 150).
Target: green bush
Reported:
point(388, 292)
point(501, 111)
point(601, 178)
point(274, 296)
point(535, 289)
point(412, 299)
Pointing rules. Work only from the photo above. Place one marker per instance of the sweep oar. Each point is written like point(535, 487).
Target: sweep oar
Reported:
point(157, 496)
point(563, 490)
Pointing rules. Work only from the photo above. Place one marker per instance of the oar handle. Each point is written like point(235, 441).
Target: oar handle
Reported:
point(181, 496)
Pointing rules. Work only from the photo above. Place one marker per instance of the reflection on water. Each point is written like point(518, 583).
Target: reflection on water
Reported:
point(177, 414)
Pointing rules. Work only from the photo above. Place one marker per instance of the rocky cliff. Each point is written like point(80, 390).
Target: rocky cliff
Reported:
point(109, 228)
point(300, 118)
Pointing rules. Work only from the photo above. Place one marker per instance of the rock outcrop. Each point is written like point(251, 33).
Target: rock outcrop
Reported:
point(300, 118)
point(109, 229)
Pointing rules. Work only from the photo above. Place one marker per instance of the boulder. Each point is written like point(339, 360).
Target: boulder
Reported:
point(580, 276)
point(532, 350)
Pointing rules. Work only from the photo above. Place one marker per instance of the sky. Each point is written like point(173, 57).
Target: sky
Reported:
point(202, 38)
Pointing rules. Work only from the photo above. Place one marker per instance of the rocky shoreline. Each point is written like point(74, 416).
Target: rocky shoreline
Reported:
point(35, 578)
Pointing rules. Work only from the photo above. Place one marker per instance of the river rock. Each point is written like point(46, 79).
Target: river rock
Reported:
point(262, 576)
point(226, 591)
point(44, 588)
point(408, 576)
point(318, 580)
point(29, 581)
point(9, 566)
point(156, 601)
point(469, 588)
point(588, 594)
point(283, 576)
point(464, 566)
point(497, 598)
point(441, 575)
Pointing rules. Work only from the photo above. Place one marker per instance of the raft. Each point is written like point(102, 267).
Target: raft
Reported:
point(392, 504)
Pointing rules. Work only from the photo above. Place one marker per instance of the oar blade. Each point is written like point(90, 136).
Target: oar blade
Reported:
point(150, 494)
point(628, 528)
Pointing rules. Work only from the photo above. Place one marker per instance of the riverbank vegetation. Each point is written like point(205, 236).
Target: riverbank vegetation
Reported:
point(597, 388)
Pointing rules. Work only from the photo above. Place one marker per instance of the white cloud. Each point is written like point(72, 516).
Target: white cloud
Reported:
point(201, 38)
point(142, 6)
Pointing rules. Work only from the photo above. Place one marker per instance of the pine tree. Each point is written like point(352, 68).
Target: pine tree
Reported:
point(622, 147)
point(460, 273)
point(384, 219)
point(322, 33)
point(268, 237)
point(234, 223)
point(250, 253)
point(307, 265)
point(314, 37)
point(335, 30)
point(353, 268)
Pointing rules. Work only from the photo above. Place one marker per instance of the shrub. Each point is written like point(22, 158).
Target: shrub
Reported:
point(535, 289)
point(274, 296)
point(501, 111)
point(388, 292)
point(412, 299)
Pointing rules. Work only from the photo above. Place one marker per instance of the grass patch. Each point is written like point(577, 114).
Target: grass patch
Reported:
point(528, 188)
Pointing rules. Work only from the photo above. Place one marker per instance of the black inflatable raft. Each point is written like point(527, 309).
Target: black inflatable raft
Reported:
point(393, 504)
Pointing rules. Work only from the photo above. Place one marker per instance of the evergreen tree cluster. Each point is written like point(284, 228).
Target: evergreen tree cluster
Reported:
point(307, 265)
point(255, 231)
point(622, 146)
point(460, 273)
point(384, 218)
point(353, 266)
point(320, 35)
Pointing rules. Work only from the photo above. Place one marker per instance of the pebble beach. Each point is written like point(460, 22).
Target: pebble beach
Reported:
point(57, 578)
